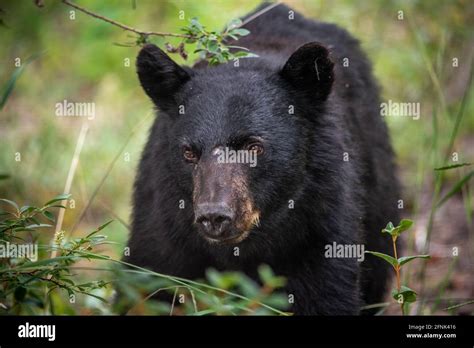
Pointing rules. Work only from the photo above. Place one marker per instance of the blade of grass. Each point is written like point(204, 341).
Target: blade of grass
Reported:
point(459, 305)
point(453, 166)
point(428, 64)
point(459, 116)
point(444, 284)
point(195, 285)
point(107, 172)
point(70, 176)
point(467, 195)
point(10, 85)
point(455, 189)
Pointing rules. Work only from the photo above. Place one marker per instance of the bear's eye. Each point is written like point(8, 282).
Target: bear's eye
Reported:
point(189, 154)
point(255, 146)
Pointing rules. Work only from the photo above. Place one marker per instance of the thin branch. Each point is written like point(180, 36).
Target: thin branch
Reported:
point(121, 25)
point(58, 284)
point(259, 13)
point(155, 33)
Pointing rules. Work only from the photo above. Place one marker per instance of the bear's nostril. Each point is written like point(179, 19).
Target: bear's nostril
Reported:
point(219, 220)
point(206, 223)
point(214, 219)
point(214, 223)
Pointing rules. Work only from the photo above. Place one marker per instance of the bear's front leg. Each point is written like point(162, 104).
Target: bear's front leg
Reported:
point(325, 287)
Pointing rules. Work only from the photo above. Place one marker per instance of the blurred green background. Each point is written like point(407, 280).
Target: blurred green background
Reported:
point(79, 60)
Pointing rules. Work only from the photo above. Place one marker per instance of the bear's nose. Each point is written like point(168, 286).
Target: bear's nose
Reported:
point(214, 219)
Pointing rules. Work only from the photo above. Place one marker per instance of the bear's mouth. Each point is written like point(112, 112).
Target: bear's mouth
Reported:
point(232, 240)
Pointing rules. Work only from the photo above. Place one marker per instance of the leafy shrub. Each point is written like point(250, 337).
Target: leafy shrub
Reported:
point(29, 285)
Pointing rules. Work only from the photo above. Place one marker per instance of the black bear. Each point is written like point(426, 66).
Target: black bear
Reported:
point(317, 171)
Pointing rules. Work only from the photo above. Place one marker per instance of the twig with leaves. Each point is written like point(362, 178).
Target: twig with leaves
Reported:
point(402, 294)
point(211, 45)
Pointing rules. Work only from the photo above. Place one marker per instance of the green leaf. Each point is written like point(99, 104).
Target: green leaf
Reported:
point(229, 279)
point(214, 277)
point(238, 47)
point(266, 274)
point(213, 37)
point(456, 188)
point(454, 166)
point(212, 46)
point(406, 259)
point(48, 215)
point(391, 260)
point(279, 301)
point(95, 296)
point(61, 197)
point(20, 293)
point(4, 176)
point(21, 229)
point(27, 209)
point(13, 204)
point(95, 257)
point(57, 206)
point(34, 226)
point(220, 58)
point(67, 280)
point(246, 54)
point(190, 40)
point(8, 89)
point(240, 32)
point(234, 23)
point(404, 225)
point(196, 26)
point(389, 228)
point(407, 295)
point(46, 262)
point(99, 228)
point(248, 287)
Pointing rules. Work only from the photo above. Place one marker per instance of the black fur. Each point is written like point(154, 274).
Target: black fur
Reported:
point(336, 110)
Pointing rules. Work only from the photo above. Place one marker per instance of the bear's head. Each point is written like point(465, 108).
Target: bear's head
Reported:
point(239, 135)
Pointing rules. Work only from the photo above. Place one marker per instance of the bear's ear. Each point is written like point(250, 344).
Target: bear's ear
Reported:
point(309, 68)
point(160, 76)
